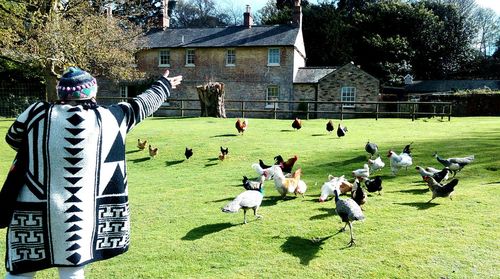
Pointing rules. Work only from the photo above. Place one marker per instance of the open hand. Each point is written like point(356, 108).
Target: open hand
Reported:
point(174, 81)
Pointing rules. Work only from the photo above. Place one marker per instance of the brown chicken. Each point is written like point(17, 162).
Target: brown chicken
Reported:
point(297, 124)
point(241, 126)
point(153, 152)
point(286, 166)
point(141, 144)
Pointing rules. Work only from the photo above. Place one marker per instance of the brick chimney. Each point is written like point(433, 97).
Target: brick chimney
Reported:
point(247, 18)
point(164, 18)
point(297, 14)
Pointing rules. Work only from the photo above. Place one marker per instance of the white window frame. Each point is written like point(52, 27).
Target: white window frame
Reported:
point(273, 56)
point(348, 94)
point(272, 94)
point(230, 57)
point(190, 57)
point(164, 53)
point(124, 92)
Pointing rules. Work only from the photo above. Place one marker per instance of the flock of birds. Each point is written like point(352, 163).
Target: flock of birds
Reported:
point(287, 181)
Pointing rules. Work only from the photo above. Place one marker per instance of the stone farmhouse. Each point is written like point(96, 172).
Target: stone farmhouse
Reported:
point(256, 63)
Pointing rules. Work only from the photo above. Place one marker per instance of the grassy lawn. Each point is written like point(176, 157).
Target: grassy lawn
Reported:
point(179, 231)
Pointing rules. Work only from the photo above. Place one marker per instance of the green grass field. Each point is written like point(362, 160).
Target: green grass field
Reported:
point(179, 231)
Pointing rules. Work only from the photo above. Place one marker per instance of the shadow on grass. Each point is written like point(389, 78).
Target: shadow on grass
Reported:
point(133, 151)
point(355, 160)
point(287, 131)
point(171, 163)
point(415, 191)
point(328, 212)
point(204, 230)
point(221, 200)
point(139, 160)
point(419, 205)
point(224, 136)
point(302, 248)
point(319, 135)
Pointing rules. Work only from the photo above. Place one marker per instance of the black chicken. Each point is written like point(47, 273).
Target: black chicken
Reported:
point(188, 153)
point(358, 195)
point(297, 124)
point(439, 190)
point(252, 185)
point(441, 175)
point(224, 151)
point(407, 149)
point(341, 131)
point(374, 185)
point(371, 148)
point(329, 126)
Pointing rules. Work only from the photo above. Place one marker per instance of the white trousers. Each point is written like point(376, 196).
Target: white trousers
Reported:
point(64, 273)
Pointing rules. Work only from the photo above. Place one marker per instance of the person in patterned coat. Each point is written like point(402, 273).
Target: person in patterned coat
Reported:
point(72, 208)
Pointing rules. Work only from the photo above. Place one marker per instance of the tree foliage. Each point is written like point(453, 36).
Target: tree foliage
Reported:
point(48, 36)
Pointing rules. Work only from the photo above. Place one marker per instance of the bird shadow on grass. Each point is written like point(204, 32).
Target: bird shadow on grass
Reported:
point(286, 131)
point(319, 135)
point(418, 205)
point(204, 230)
point(225, 135)
point(221, 200)
point(139, 160)
point(303, 248)
point(270, 201)
point(171, 163)
point(133, 151)
point(328, 212)
point(354, 160)
point(415, 191)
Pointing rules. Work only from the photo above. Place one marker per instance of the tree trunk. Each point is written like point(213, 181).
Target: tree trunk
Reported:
point(211, 97)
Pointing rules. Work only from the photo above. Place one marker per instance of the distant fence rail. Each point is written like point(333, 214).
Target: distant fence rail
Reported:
point(317, 109)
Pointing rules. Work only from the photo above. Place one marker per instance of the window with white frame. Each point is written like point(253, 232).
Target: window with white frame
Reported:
point(348, 94)
point(124, 91)
point(164, 58)
point(273, 57)
point(230, 57)
point(273, 93)
point(190, 57)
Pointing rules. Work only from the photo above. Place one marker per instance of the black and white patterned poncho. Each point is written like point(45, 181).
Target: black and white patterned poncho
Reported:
point(73, 208)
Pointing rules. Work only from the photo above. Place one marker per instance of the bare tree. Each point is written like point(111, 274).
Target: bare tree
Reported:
point(488, 25)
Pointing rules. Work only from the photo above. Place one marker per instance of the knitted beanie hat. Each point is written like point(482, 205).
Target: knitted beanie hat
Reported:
point(76, 84)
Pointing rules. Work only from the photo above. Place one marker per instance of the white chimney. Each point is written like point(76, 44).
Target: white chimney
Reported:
point(164, 18)
point(247, 18)
point(297, 14)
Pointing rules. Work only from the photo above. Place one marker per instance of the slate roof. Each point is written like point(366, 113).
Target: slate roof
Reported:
point(312, 74)
point(428, 86)
point(231, 36)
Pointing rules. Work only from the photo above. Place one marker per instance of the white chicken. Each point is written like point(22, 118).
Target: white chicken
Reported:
point(402, 160)
point(376, 164)
point(267, 173)
point(301, 188)
point(362, 173)
point(339, 183)
point(285, 185)
point(250, 199)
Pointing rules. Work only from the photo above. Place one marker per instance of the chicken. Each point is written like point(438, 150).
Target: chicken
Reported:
point(153, 152)
point(376, 165)
point(439, 190)
point(371, 148)
point(253, 185)
point(358, 194)
point(329, 126)
point(268, 173)
point(286, 166)
point(374, 185)
point(431, 170)
point(424, 172)
point(241, 126)
point(188, 153)
point(285, 185)
point(402, 160)
point(263, 165)
point(223, 153)
point(334, 183)
point(349, 211)
point(455, 164)
point(407, 149)
point(301, 188)
point(297, 124)
point(438, 175)
point(250, 199)
point(141, 144)
point(362, 173)
point(341, 130)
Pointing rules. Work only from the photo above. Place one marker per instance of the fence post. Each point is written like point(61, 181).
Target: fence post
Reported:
point(449, 112)
point(274, 109)
point(376, 111)
point(307, 111)
point(242, 109)
point(413, 112)
point(341, 112)
point(182, 108)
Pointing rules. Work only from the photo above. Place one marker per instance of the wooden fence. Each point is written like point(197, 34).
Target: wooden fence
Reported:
point(309, 109)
